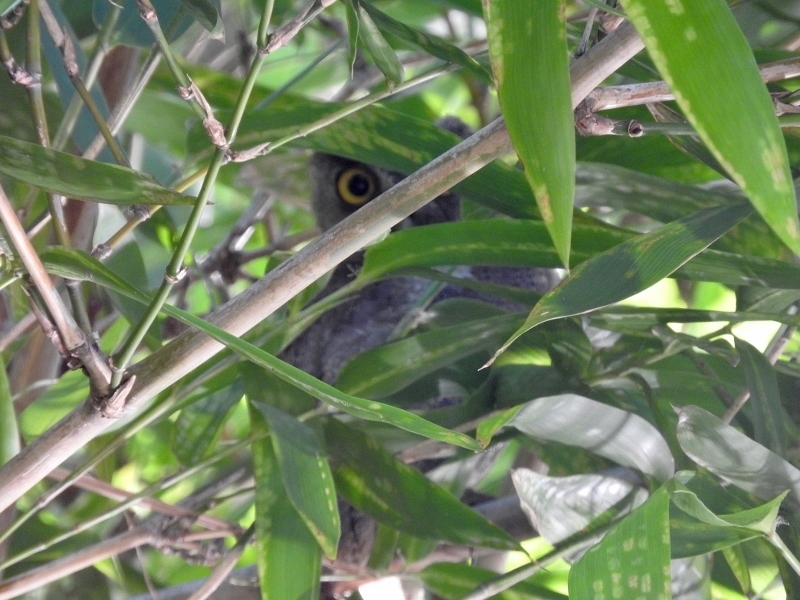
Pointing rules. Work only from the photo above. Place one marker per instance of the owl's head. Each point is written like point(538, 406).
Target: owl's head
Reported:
point(340, 186)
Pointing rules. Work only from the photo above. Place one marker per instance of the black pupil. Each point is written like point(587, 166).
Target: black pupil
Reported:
point(358, 185)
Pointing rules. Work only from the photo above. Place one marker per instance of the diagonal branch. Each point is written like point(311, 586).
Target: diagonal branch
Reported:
point(175, 360)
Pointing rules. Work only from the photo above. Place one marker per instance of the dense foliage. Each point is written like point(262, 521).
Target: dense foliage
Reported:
point(159, 255)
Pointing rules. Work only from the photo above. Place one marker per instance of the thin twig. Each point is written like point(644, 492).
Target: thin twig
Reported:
point(170, 363)
point(72, 336)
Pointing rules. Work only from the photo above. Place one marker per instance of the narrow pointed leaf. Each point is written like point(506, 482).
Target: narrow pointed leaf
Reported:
point(761, 519)
point(9, 432)
point(374, 481)
point(453, 581)
point(702, 54)
point(734, 457)
point(81, 179)
point(195, 432)
point(632, 560)
point(632, 266)
point(517, 243)
point(765, 398)
point(376, 46)
point(429, 43)
point(282, 538)
point(306, 475)
point(77, 265)
point(391, 367)
point(528, 48)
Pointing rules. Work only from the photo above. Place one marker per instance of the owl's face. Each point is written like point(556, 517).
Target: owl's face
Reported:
point(340, 186)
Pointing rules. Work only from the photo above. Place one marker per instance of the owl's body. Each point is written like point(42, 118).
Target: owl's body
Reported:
point(339, 187)
point(368, 319)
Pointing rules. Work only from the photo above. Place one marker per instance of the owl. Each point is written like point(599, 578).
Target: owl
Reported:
point(339, 187)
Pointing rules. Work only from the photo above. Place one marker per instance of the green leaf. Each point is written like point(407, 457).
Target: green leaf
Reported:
point(429, 43)
point(528, 48)
point(77, 265)
point(352, 32)
point(632, 266)
point(574, 420)
point(702, 54)
point(384, 370)
point(9, 434)
point(377, 483)
point(736, 458)
point(382, 137)
point(282, 537)
point(74, 177)
point(207, 12)
point(765, 398)
point(761, 519)
point(453, 581)
point(632, 560)
point(559, 507)
point(306, 475)
point(505, 242)
point(632, 318)
point(605, 185)
point(376, 45)
point(199, 425)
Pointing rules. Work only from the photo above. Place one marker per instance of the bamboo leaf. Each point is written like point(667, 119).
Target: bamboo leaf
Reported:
point(608, 431)
point(306, 475)
point(528, 48)
point(429, 43)
point(374, 481)
point(77, 265)
point(632, 560)
point(702, 54)
point(765, 398)
point(199, 425)
point(391, 367)
point(632, 266)
point(376, 45)
point(282, 537)
point(9, 432)
point(559, 507)
point(75, 177)
point(734, 457)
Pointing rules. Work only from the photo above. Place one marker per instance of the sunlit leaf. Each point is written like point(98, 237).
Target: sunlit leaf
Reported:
point(574, 420)
point(528, 47)
point(698, 47)
point(632, 560)
point(559, 507)
point(282, 537)
point(632, 266)
point(736, 458)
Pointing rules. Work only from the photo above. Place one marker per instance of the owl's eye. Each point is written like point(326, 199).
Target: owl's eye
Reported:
point(356, 186)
